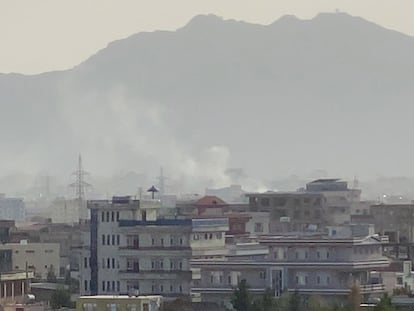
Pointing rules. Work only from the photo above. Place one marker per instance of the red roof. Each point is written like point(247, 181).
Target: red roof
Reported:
point(210, 200)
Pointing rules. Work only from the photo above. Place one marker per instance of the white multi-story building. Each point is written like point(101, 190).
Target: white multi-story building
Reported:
point(132, 249)
point(310, 264)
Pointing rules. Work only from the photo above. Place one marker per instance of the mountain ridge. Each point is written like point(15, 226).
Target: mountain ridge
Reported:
point(274, 99)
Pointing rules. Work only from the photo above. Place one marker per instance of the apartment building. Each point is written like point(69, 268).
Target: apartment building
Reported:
point(132, 249)
point(208, 237)
point(311, 264)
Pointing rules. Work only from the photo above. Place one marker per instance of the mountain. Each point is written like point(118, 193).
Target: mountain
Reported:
point(334, 92)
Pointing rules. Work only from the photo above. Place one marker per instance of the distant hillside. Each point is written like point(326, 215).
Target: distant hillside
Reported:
point(335, 92)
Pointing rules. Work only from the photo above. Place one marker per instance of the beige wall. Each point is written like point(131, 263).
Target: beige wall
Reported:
point(39, 257)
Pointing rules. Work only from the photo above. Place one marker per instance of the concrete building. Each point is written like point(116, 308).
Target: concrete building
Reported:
point(291, 211)
point(340, 199)
point(119, 303)
point(39, 257)
point(394, 220)
point(68, 236)
point(12, 209)
point(233, 194)
point(131, 248)
point(311, 264)
point(208, 237)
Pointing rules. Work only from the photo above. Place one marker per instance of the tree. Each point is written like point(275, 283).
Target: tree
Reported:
point(60, 298)
point(51, 276)
point(385, 304)
point(241, 300)
point(354, 298)
point(294, 302)
point(267, 301)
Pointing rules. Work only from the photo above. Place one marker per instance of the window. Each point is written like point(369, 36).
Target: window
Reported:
point(117, 240)
point(85, 262)
point(153, 241)
point(172, 241)
point(103, 286)
point(111, 307)
point(162, 242)
point(211, 279)
point(161, 288)
point(113, 216)
point(181, 241)
point(108, 240)
point(161, 264)
point(118, 286)
point(153, 264)
point(107, 216)
point(89, 307)
point(108, 263)
point(229, 279)
point(117, 216)
point(113, 263)
point(108, 286)
point(218, 236)
point(205, 236)
point(113, 286)
point(327, 255)
point(103, 263)
point(181, 288)
point(400, 280)
point(181, 265)
point(210, 236)
point(171, 288)
point(145, 307)
point(265, 202)
point(262, 275)
point(103, 239)
point(85, 285)
point(113, 239)
point(103, 217)
point(30, 251)
point(258, 227)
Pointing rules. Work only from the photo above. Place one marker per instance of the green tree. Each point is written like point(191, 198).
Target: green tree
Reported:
point(385, 304)
point(267, 301)
point(294, 302)
point(60, 298)
point(241, 299)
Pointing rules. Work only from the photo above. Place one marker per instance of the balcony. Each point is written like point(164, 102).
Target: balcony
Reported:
point(156, 274)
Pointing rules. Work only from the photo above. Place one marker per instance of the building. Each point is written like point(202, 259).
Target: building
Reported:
point(208, 237)
point(12, 209)
point(68, 236)
point(308, 263)
point(131, 249)
point(340, 199)
point(233, 194)
point(119, 303)
point(14, 285)
point(40, 258)
point(394, 220)
point(291, 211)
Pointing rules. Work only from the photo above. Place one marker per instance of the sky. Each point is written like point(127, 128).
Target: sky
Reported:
point(45, 35)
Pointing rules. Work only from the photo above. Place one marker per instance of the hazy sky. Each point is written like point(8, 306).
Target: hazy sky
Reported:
point(43, 35)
